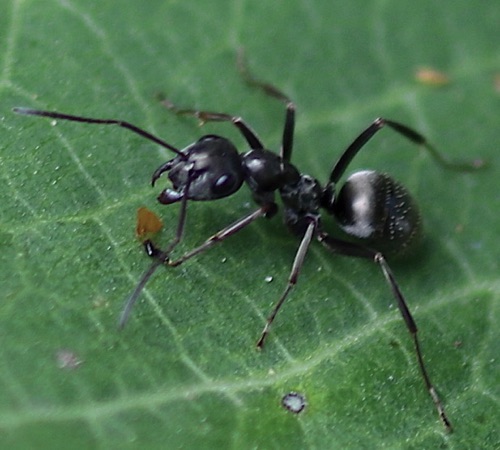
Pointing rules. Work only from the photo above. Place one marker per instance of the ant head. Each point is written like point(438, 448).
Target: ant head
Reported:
point(209, 169)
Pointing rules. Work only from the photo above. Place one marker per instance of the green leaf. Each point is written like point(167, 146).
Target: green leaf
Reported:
point(185, 372)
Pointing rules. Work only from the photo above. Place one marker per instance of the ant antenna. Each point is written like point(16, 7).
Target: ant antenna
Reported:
point(159, 260)
point(120, 123)
point(160, 257)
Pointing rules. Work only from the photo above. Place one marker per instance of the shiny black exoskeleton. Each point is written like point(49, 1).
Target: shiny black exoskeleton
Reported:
point(372, 208)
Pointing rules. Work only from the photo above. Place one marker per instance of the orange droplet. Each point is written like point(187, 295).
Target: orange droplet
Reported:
point(147, 223)
point(496, 82)
point(431, 77)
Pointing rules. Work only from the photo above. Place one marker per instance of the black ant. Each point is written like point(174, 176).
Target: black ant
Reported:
point(371, 207)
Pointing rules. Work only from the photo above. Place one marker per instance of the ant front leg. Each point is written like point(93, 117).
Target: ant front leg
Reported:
point(163, 257)
point(208, 116)
point(350, 249)
point(160, 257)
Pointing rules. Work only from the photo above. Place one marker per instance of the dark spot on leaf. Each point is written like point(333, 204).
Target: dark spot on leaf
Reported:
point(67, 359)
point(294, 402)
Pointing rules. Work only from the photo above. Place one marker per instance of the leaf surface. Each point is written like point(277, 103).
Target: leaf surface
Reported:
point(184, 372)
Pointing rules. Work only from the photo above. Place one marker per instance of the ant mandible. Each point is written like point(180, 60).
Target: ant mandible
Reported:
point(371, 207)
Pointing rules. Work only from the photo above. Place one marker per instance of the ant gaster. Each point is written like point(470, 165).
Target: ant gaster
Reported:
point(371, 207)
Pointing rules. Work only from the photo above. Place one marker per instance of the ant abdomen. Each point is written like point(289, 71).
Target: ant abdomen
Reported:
point(378, 210)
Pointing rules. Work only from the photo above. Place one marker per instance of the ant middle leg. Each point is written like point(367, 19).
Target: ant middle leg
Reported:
point(292, 279)
point(267, 210)
point(272, 91)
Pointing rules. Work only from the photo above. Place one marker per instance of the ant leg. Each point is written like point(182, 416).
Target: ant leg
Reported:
point(208, 116)
point(160, 257)
point(267, 210)
point(151, 249)
point(272, 91)
point(120, 123)
point(412, 135)
point(350, 249)
point(292, 279)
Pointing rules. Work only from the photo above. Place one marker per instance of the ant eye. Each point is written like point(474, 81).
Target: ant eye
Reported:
point(224, 185)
